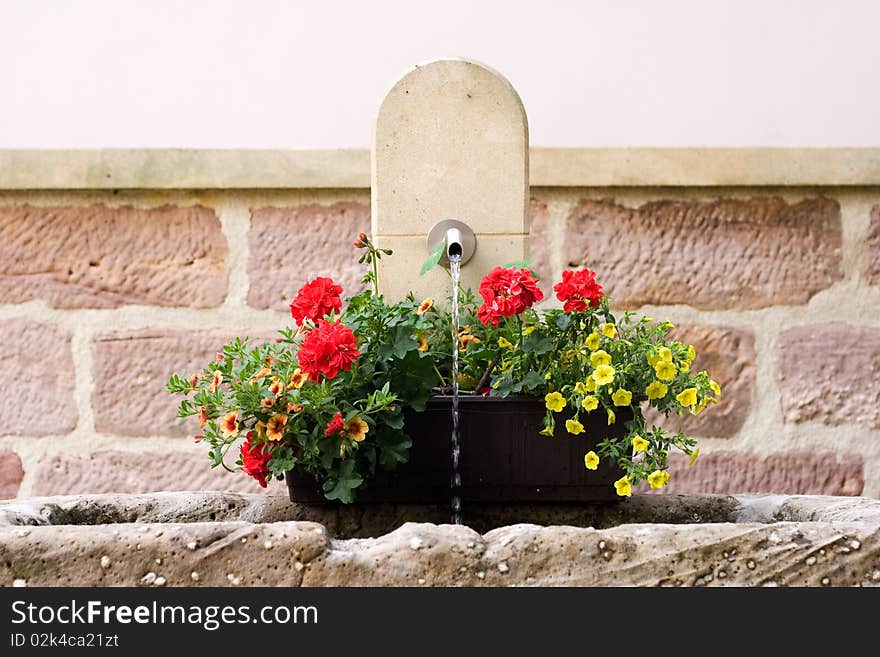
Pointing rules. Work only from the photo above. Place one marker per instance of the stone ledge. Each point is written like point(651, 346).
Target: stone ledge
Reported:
point(163, 540)
point(350, 168)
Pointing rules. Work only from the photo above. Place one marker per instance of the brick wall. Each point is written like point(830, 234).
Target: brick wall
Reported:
point(104, 294)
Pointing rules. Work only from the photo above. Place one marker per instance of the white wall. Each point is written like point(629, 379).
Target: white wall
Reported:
point(117, 73)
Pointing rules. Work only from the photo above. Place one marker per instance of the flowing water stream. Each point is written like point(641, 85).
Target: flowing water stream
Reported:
point(455, 483)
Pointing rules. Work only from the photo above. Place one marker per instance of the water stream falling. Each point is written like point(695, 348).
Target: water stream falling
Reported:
point(455, 483)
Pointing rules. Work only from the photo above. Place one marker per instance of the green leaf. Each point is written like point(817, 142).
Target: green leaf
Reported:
point(522, 264)
point(537, 344)
point(394, 446)
point(563, 321)
point(433, 259)
point(342, 486)
point(533, 380)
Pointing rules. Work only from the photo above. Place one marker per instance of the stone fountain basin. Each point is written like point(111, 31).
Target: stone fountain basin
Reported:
point(223, 539)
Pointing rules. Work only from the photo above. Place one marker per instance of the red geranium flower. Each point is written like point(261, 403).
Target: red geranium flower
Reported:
point(336, 425)
point(316, 299)
point(507, 292)
point(327, 349)
point(255, 460)
point(578, 289)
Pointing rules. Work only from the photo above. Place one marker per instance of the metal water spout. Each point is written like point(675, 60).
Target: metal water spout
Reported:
point(458, 238)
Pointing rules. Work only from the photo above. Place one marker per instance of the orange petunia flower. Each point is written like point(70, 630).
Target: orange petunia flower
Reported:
point(357, 429)
point(269, 360)
point(198, 438)
point(229, 424)
point(293, 407)
point(466, 339)
point(423, 342)
point(194, 379)
point(425, 306)
point(216, 381)
point(277, 386)
point(267, 402)
point(203, 417)
point(298, 378)
point(275, 426)
point(260, 428)
point(262, 374)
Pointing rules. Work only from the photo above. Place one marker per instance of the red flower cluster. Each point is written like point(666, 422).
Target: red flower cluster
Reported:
point(327, 349)
point(336, 425)
point(578, 289)
point(316, 299)
point(255, 460)
point(507, 292)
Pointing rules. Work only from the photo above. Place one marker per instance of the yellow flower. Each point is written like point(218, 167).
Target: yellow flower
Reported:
point(593, 341)
point(639, 444)
point(664, 370)
point(685, 366)
point(664, 353)
point(465, 339)
point(600, 357)
point(275, 426)
point(423, 342)
point(528, 330)
point(603, 375)
point(591, 460)
point(504, 343)
point(691, 353)
point(554, 401)
point(547, 431)
point(609, 330)
point(622, 397)
point(590, 403)
point(652, 359)
point(623, 487)
point(704, 402)
point(425, 306)
point(656, 390)
point(687, 397)
point(574, 427)
point(357, 429)
point(611, 417)
point(581, 388)
point(590, 384)
point(298, 378)
point(693, 458)
point(713, 385)
point(658, 479)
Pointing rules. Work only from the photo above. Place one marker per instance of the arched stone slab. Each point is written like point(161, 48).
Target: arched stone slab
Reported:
point(450, 142)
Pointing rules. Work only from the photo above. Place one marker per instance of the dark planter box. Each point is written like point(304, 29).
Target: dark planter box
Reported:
point(503, 458)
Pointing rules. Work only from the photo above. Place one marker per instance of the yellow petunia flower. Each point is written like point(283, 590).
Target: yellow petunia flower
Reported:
point(652, 359)
point(656, 390)
point(603, 375)
point(504, 343)
point(622, 397)
point(591, 460)
point(685, 366)
point(547, 431)
point(574, 427)
point(714, 387)
point(590, 403)
point(593, 341)
point(590, 384)
point(528, 330)
point(639, 444)
point(664, 353)
point(581, 388)
point(609, 330)
point(693, 458)
point(687, 397)
point(612, 418)
point(600, 357)
point(691, 353)
point(623, 487)
point(554, 401)
point(664, 370)
point(658, 479)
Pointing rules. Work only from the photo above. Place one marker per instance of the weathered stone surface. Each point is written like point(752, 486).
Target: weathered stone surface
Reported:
point(138, 472)
point(728, 355)
point(138, 364)
point(540, 247)
point(872, 264)
point(36, 367)
point(101, 257)
point(289, 246)
point(723, 254)
point(815, 473)
point(11, 473)
point(830, 373)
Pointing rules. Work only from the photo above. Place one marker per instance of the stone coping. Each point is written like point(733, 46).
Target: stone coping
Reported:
point(222, 539)
point(350, 168)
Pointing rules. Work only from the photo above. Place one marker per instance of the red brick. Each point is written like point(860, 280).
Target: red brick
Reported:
point(830, 373)
point(872, 264)
point(728, 355)
point(131, 370)
point(789, 473)
point(101, 257)
point(11, 474)
point(36, 367)
point(144, 472)
point(289, 246)
point(722, 254)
